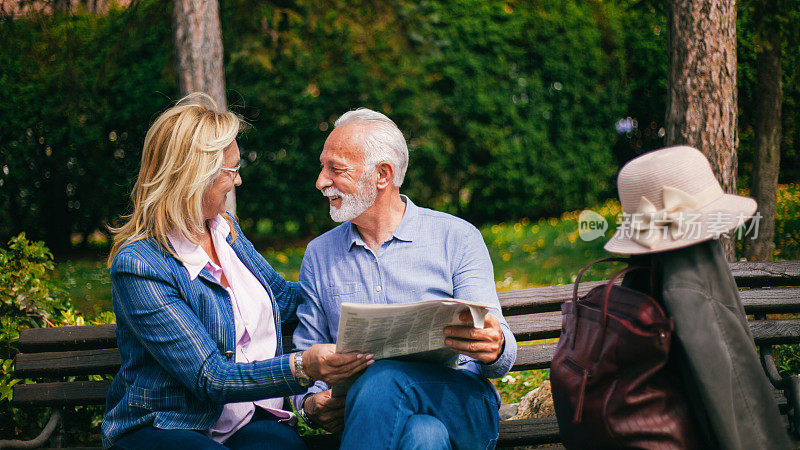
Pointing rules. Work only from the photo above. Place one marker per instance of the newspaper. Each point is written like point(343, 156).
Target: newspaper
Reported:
point(412, 331)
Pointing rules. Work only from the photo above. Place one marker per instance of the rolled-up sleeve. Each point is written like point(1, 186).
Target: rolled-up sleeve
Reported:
point(473, 280)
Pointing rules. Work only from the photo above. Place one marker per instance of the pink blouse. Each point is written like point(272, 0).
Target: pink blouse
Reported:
point(256, 338)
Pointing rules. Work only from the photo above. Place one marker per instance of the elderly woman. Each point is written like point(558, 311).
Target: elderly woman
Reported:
point(199, 311)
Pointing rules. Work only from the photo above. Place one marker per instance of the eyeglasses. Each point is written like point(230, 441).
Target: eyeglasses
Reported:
point(235, 169)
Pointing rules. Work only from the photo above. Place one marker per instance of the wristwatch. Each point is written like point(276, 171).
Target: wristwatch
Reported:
point(306, 418)
point(299, 373)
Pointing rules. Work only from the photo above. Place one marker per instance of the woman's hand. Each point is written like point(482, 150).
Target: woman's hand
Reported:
point(321, 362)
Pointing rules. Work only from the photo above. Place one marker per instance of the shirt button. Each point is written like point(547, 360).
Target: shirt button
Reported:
point(378, 289)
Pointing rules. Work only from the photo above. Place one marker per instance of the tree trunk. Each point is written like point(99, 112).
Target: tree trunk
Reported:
point(701, 102)
point(767, 153)
point(97, 6)
point(198, 49)
point(198, 54)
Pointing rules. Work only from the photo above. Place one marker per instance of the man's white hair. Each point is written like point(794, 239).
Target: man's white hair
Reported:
point(381, 141)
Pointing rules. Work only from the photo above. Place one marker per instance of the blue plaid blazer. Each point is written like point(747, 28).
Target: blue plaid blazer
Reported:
point(177, 338)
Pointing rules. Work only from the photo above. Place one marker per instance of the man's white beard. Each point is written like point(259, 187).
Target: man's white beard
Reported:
point(353, 205)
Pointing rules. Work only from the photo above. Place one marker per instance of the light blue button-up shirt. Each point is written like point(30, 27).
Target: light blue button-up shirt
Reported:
point(430, 255)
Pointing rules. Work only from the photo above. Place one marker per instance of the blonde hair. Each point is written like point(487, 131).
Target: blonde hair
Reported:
point(181, 158)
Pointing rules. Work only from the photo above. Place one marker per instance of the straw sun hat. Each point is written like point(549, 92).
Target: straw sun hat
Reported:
point(671, 199)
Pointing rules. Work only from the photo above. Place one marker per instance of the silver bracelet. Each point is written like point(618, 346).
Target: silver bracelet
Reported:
point(300, 374)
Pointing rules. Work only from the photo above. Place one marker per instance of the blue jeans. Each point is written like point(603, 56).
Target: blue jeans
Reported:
point(406, 405)
point(263, 432)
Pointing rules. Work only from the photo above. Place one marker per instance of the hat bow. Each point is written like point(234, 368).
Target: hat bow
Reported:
point(678, 204)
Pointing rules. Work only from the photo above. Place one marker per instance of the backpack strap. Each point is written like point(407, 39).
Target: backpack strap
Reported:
point(610, 285)
point(575, 291)
point(606, 292)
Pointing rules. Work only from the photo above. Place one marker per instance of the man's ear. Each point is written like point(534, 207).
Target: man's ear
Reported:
point(385, 172)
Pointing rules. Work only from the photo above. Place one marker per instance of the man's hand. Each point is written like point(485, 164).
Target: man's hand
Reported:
point(484, 344)
point(321, 362)
point(326, 410)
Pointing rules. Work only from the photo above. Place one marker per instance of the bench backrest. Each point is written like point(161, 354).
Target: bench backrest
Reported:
point(51, 354)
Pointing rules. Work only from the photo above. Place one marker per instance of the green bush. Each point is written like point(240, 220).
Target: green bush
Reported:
point(30, 299)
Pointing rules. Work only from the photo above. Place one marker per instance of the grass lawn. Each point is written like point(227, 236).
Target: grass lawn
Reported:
point(525, 253)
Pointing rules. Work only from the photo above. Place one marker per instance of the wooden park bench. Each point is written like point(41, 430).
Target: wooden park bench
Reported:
point(50, 355)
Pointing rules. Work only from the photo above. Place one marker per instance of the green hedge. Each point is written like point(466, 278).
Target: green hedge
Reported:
point(509, 106)
point(509, 109)
point(77, 94)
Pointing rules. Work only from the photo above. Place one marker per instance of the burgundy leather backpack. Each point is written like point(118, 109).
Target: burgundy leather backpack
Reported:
point(610, 388)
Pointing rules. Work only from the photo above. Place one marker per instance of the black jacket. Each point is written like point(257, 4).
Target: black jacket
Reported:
point(726, 385)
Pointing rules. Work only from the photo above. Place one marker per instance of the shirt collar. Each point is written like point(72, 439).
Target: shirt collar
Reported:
point(405, 231)
point(192, 255)
point(219, 226)
point(353, 237)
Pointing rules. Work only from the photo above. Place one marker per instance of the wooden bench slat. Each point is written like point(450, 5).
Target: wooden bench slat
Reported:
point(61, 394)
point(529, 327)
point(67, 338)
point(774, 300)
point(62, 364)
point(777, 300)
point(747, 275)
point(776, 332)
point(513, 432)
point(533, 431)
point(540, 299)
point(535, 326)
point(548, 325)
point(534, 356)
point(766, 273)
point(765, 332)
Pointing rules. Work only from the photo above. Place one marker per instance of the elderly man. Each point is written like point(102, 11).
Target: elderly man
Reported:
point(388, 250)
